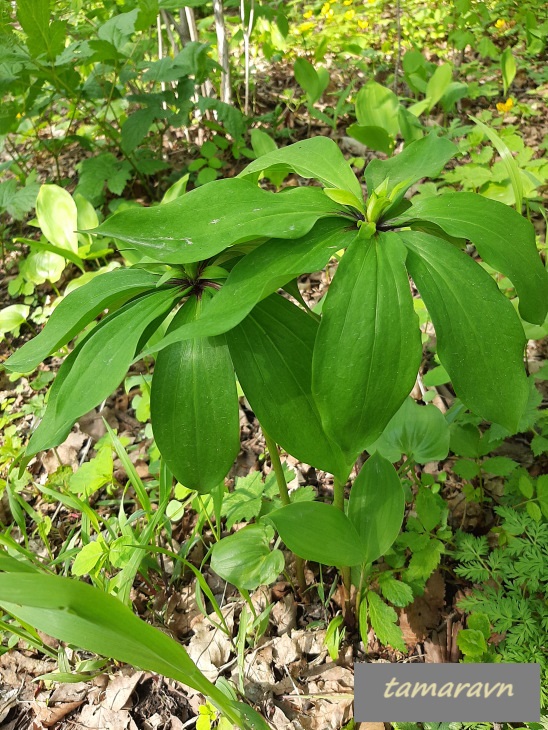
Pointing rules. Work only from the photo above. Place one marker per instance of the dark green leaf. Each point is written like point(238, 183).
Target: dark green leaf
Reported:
point(96, 367)
point(503, 238)
point(376, 506)
point(480, 339)
point(319, 532)
point(217, 215)
point(272, 353)
point(76, 311)
point(425, 157)
point(384, 622)
point(368, 348)
point(318, 158)
point(419, 432)
point(262, 272)
point(194, 407)
point(245, 558)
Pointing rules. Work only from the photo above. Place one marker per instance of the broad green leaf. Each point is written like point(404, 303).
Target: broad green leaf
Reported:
point(88, 557)
point(15, 565)
point(215, 216)
point(480, 622)
point(508, 68)
point(377, 106)
point(425, 157)
point(479, 336)
point(395, 591)
point(319, 532)
point(376, 138)
point(384, 622)
point(419, 432)
point(438, 84)
point(12, 317)
point(471, 642)
point(343, 197)
point(245, 558)
point(504, 239)
point(429, 508)
point(79, 614)
point(42, 36)
point(312, 83)
point(76, 310)
point(368, 348)
point(376, 506)
point(272, 353)
point(262, 142)
point(58, 217)
point(98, 364)
point(318, 157)
point(262, 272)
point(194, 407)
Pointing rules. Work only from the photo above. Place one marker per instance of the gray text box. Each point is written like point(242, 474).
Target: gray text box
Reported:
point(447, 693)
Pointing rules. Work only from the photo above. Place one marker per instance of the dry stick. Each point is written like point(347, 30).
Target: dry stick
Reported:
point(284, 496)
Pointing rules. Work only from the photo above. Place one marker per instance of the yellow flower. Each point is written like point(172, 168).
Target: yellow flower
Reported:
point(305, 27)
point(348, 2)
point(325, 9)
point(362, 24)
point(308, 14)
point(504, 107)
point(500, 24)
point(330, 16)
point(371, 2)
point(349, 15)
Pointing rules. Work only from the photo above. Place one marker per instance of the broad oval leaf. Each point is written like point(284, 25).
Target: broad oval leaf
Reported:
point(272, 353)
point(97, 365)
point(194, 407)
point(480, 339)
point(318, 157)
point(319, 532)
point(77, 310)
point(58, 217)
point(368, 349)
point(425, 157)
point(376, 507)
point(377, 106)
point(245, 558)
point(419, 432)
point(213, 217)
point(85, 616)
point(504, 239)
point(260, 273)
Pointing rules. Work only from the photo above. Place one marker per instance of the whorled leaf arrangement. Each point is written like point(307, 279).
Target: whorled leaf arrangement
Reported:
point(325, 386)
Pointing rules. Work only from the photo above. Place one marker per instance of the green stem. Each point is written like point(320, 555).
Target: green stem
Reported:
point(284, 496)
point(278, 468)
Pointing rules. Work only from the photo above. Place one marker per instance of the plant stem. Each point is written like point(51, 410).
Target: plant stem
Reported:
point(284, 496)
point(338, 501)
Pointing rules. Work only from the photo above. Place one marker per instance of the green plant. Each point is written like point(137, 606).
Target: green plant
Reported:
point(222, 251)
point(85, 616)
point(513, 580)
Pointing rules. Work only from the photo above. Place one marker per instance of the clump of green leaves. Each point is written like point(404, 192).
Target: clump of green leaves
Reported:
point(514, 580)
